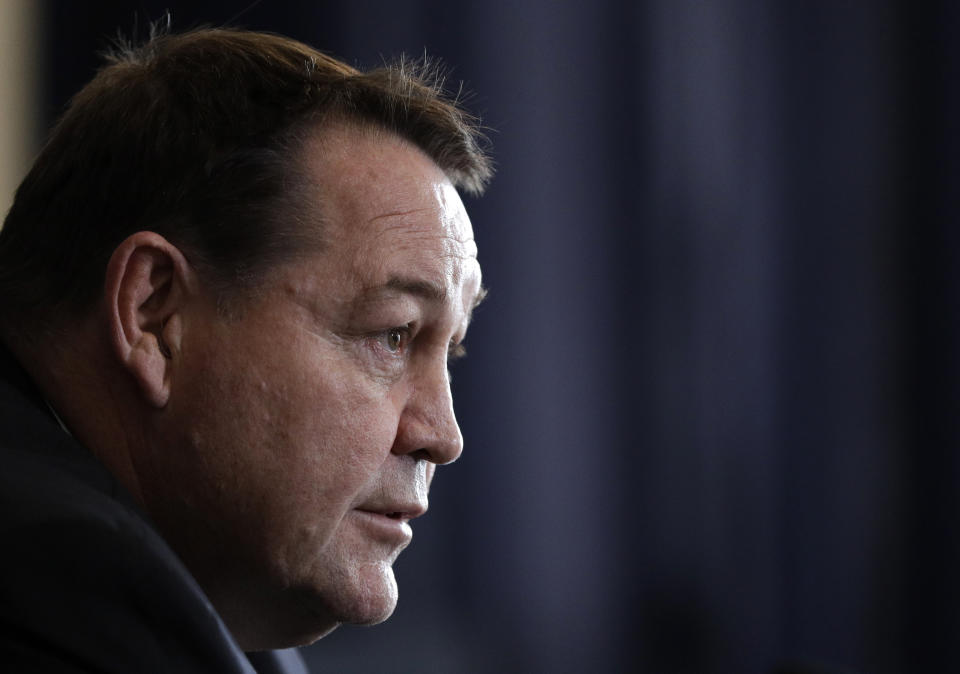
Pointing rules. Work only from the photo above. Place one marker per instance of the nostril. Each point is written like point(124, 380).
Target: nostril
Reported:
point(422, 455)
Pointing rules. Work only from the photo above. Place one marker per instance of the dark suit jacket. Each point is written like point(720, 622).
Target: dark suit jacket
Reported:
point(86, 582)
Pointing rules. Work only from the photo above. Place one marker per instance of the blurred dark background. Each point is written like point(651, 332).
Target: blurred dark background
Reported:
point(711, 406)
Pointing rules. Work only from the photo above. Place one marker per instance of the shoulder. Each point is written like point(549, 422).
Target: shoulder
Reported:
point(87, 584)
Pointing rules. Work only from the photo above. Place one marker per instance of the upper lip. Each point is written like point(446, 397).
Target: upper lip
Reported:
point(396, 509)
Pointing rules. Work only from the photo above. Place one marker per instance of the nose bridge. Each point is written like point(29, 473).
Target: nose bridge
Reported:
point(431, 410)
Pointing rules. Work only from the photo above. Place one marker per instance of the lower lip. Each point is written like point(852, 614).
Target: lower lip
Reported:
point(386, 528)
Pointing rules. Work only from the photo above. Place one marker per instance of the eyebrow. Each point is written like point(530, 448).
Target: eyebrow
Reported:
point(422, 288)
point(478, 300)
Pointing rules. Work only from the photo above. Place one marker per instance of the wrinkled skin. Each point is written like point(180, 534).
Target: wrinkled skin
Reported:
point(302, 433)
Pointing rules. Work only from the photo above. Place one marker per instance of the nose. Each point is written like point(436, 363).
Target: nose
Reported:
point(428, 427)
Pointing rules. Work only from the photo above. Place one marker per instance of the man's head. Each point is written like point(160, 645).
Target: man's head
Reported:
point(197, 137)
point(272, 269)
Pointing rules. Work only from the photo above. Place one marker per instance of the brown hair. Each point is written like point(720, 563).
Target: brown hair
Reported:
point(196, 136)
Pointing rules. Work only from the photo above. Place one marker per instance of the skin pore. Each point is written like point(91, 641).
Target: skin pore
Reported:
point(283, 451)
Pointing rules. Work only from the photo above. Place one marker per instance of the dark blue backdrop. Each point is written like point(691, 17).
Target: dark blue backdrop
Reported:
point(711, 404)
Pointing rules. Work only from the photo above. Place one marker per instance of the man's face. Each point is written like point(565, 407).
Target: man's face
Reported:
point(302, 434)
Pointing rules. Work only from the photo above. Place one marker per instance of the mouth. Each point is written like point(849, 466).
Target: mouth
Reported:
point(390, 526)
point(401, 512)
point(388, 519)
point(394, 515)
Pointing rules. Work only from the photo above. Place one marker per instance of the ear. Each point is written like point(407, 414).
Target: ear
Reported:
point(147, 282)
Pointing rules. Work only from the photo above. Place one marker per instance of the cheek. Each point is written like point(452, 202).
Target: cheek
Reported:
point(347, 461)
point(293, 436)
point(354, 442)
point(335, 433)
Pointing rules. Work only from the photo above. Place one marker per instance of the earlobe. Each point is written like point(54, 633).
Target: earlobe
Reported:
point(146, 284)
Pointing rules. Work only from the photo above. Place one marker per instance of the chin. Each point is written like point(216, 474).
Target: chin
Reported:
point(374, 596)
point(308, 609)
point(363, 596)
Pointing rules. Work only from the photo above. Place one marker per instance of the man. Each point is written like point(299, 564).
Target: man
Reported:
point(229, 290)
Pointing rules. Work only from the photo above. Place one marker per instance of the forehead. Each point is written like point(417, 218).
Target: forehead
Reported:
point(380, 202)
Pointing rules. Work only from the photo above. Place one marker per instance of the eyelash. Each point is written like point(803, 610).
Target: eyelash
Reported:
point(454, 351)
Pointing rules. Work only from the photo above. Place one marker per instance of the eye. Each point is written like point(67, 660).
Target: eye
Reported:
point(395, 339)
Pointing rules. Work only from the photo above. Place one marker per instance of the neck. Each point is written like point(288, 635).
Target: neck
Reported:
point(89, 396)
